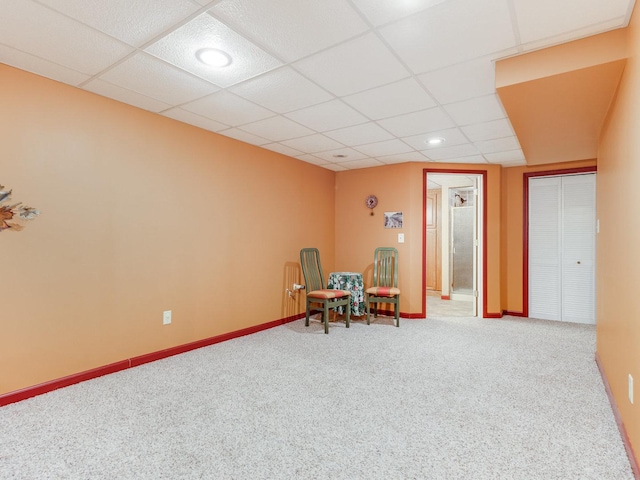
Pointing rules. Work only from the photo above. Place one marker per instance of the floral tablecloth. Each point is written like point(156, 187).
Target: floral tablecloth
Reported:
point(352, 282)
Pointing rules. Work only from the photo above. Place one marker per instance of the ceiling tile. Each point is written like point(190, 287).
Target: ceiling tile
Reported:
point(364, 163)
point(462, 81)
point(327, 116)
point(39, 66)
point(59, 39)
point(469, 159)
point(452, 136)
point(283, 149)
point(225, 107)
point(498, 145)
point(515, 163)
point(133, 22)
point(277, 129)
point(476, 110)
point(335, 167)
point(446, 153)
point(341, 155)
point(478, 132)
point(193, 119)
point(388, 147)
point(418, 122)
point(574, 34)
point(547, 18)
point(397, 98)
point(293, 28)
point(354, 66)
point(359, 134)
point(281, 90)
point(313, 143)
point(245, 137)
point(403, 158)
point(204, 31)
point(124, 95)
point(312, 159)
point(379, 12)
point(509, 156)
point(147, 75)
point(450, 33)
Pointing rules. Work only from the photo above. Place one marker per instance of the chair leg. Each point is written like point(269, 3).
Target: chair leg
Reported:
point(306, 322)
point(397, 310)
point(347, 310)
point(366, 301)
point(325, 317)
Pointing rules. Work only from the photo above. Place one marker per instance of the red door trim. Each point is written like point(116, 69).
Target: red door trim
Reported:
point(483, 173)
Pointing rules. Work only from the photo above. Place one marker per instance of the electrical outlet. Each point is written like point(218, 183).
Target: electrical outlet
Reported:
point(401, 238)
point(166, 317)
point(631, 389)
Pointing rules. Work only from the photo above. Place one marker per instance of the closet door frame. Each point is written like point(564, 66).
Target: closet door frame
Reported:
point(525, 218)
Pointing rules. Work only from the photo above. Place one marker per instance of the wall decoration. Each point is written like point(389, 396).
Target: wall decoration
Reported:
point(9, 212)
point(392, 219)
point(371, 202)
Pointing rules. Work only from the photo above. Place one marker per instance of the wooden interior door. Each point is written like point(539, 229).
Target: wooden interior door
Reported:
point(434, 240)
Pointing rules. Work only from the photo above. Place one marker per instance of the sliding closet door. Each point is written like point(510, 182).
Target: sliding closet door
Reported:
point(562, 248)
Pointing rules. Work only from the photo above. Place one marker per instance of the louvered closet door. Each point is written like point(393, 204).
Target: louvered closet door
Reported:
point(562, 248)
point(544, 248)
point(578, 248)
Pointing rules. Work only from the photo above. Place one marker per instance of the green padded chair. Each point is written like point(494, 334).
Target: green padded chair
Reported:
point(385, 282)
point(317, 293)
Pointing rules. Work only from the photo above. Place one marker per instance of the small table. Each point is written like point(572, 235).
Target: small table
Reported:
point(352, 282)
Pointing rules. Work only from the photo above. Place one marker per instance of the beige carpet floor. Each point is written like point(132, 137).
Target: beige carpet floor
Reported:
point(441, 398)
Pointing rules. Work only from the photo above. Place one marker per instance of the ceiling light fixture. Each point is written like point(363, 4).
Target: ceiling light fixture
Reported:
point(213, 57)
point(434, 141)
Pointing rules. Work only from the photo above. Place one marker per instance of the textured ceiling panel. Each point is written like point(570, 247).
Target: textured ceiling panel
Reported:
point(452, 32)
point(134, 22)
point(59, 39)
point(338, 83)
point(293, 29)
point(282, 90)
point(354, 66)
point(180, 48)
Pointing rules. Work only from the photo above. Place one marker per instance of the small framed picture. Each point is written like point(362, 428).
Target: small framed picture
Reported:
point(392, 219)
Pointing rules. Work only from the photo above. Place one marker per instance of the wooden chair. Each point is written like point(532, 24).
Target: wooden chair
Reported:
point(317, 293)
point(385, 282)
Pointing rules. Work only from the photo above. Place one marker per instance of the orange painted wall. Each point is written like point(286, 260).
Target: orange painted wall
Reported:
point(400, 188)
point(618, 255)
point(513, 226)
point(140, 214)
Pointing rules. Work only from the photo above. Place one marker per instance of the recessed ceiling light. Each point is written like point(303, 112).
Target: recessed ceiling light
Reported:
point(213, 57)
point(434, 141)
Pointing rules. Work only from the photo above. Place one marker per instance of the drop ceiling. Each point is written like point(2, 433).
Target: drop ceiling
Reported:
point(342, 84)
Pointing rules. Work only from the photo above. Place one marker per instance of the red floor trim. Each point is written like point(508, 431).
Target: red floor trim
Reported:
point(513, 314)
point(616, 414)
point(23, 394)
point(28, 392)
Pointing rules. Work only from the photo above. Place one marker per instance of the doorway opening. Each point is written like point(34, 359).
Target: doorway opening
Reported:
point(454, 243)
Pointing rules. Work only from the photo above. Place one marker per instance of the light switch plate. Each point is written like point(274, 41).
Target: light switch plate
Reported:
point(166, 317)
point(401, 238)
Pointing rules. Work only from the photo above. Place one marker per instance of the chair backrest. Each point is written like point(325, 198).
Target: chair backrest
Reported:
point(385, 267)
point(312, 269)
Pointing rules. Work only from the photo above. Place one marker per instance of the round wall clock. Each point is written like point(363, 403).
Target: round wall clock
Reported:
point(372, 201)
